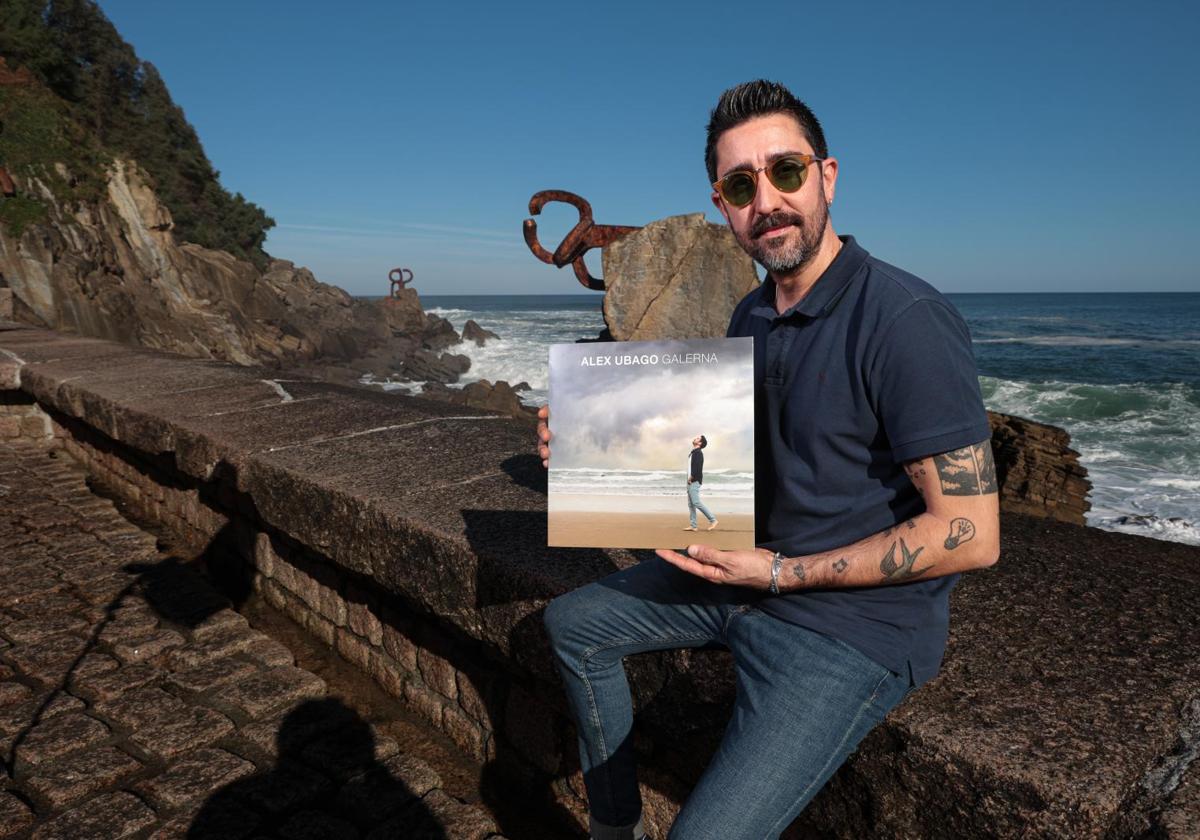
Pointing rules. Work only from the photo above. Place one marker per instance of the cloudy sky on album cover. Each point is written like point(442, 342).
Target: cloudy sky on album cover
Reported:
point(641, 408)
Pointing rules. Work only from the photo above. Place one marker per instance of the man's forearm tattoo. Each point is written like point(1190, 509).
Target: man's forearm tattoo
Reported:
point(840, 565)
point(798, 571)
point(904, 570)
point(969, 471)
point(961, 531)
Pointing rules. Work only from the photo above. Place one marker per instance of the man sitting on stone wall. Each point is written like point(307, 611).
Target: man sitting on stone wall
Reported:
point(876, 488)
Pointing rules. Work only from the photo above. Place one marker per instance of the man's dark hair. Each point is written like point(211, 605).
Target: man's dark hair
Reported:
point(757, 99)
point(703, 441)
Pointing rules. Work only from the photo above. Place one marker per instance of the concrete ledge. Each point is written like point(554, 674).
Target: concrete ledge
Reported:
point(410, 535)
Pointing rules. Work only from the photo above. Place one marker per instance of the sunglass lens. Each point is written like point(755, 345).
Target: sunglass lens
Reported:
point(787, 174)
point(738, 189)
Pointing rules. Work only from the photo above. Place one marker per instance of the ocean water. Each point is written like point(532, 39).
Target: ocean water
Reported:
point(648, 487)
point(1120, 372)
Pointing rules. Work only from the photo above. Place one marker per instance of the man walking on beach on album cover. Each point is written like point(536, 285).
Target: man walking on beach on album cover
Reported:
point(695, 477)
point(874, 488)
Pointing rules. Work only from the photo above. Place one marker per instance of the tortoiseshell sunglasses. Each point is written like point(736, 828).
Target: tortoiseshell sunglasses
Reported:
point(787, 174)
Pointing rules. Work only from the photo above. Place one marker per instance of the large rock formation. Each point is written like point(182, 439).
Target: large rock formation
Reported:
point(114, 269)
point(1038, 471)
point(680, 276)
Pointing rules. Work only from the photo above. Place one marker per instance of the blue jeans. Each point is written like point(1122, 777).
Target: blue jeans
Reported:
point(694, 503)
point(804, 700)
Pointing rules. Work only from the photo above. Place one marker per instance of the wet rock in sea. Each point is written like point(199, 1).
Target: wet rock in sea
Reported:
point(678, 277)
point(439, 334)
point(1038, 472)
point(434, 367)
point(500, 397)
point(473, 332)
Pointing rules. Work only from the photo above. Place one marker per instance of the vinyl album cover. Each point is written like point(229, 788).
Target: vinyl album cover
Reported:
point(632, 421)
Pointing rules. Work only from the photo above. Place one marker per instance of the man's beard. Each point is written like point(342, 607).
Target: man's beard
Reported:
point(786, 254)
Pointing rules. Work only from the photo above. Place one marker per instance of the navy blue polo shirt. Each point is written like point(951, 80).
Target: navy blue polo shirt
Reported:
point(872, 368)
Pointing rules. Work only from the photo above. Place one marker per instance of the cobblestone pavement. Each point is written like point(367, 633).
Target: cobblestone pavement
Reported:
point(135, 702)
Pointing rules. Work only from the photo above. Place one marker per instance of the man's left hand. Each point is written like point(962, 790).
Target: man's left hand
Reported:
point(750, 568)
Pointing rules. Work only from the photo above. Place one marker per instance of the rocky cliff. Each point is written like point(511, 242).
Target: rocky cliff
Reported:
point(114, 269)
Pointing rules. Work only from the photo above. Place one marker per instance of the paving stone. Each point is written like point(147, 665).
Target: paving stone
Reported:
point(49, 659)
point(140, 707)
point(181, 730)
point(178, 593)
point(80, 571)
point(134, 612)
point(457, 819)
point(81, 775)
point(94, 664)
point(222, 644)
point(122, 632)
point(194, 777)
point(270, 653)
point(386, 789)
point(15, 815)
point(48, 624)
point(314, 825)
point(13, 590)
point(48, 603)
point(111, 816)
point(12, 693)
point(299, 727)
point(106, 588)
point(69, 545)
point(212, 674)
point(14, 719)
point(350, 751)
point(437, 816)
point(111, 684)
point(285, 788)
point(49, 517)
point(158, 642)
point(268, 691)
point(59, 736)
point(222, 621)
point(218, 819)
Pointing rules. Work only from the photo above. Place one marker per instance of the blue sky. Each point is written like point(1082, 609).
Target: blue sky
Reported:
point(986, 147)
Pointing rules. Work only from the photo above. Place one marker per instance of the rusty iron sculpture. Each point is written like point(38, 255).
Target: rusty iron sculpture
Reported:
point(584, 236)
point(399, 280)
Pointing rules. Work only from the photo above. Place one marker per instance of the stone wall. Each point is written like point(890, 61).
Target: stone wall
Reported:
point(409, 537)
point(20, 417)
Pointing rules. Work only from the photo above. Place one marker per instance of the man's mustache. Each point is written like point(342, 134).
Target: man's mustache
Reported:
point(775, 220)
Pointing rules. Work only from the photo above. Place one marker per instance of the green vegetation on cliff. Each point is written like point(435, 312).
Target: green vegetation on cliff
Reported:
point(106, 102)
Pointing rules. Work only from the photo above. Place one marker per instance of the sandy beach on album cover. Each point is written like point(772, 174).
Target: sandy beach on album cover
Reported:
point(624, 417)
point(646, 530)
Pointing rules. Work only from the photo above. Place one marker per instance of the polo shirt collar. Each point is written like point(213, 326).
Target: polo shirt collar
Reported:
point(826, 292)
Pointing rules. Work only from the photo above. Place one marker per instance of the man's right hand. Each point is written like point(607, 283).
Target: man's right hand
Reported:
point(543, 433)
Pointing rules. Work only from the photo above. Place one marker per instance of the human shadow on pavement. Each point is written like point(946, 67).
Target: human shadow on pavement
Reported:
point(326, 782)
